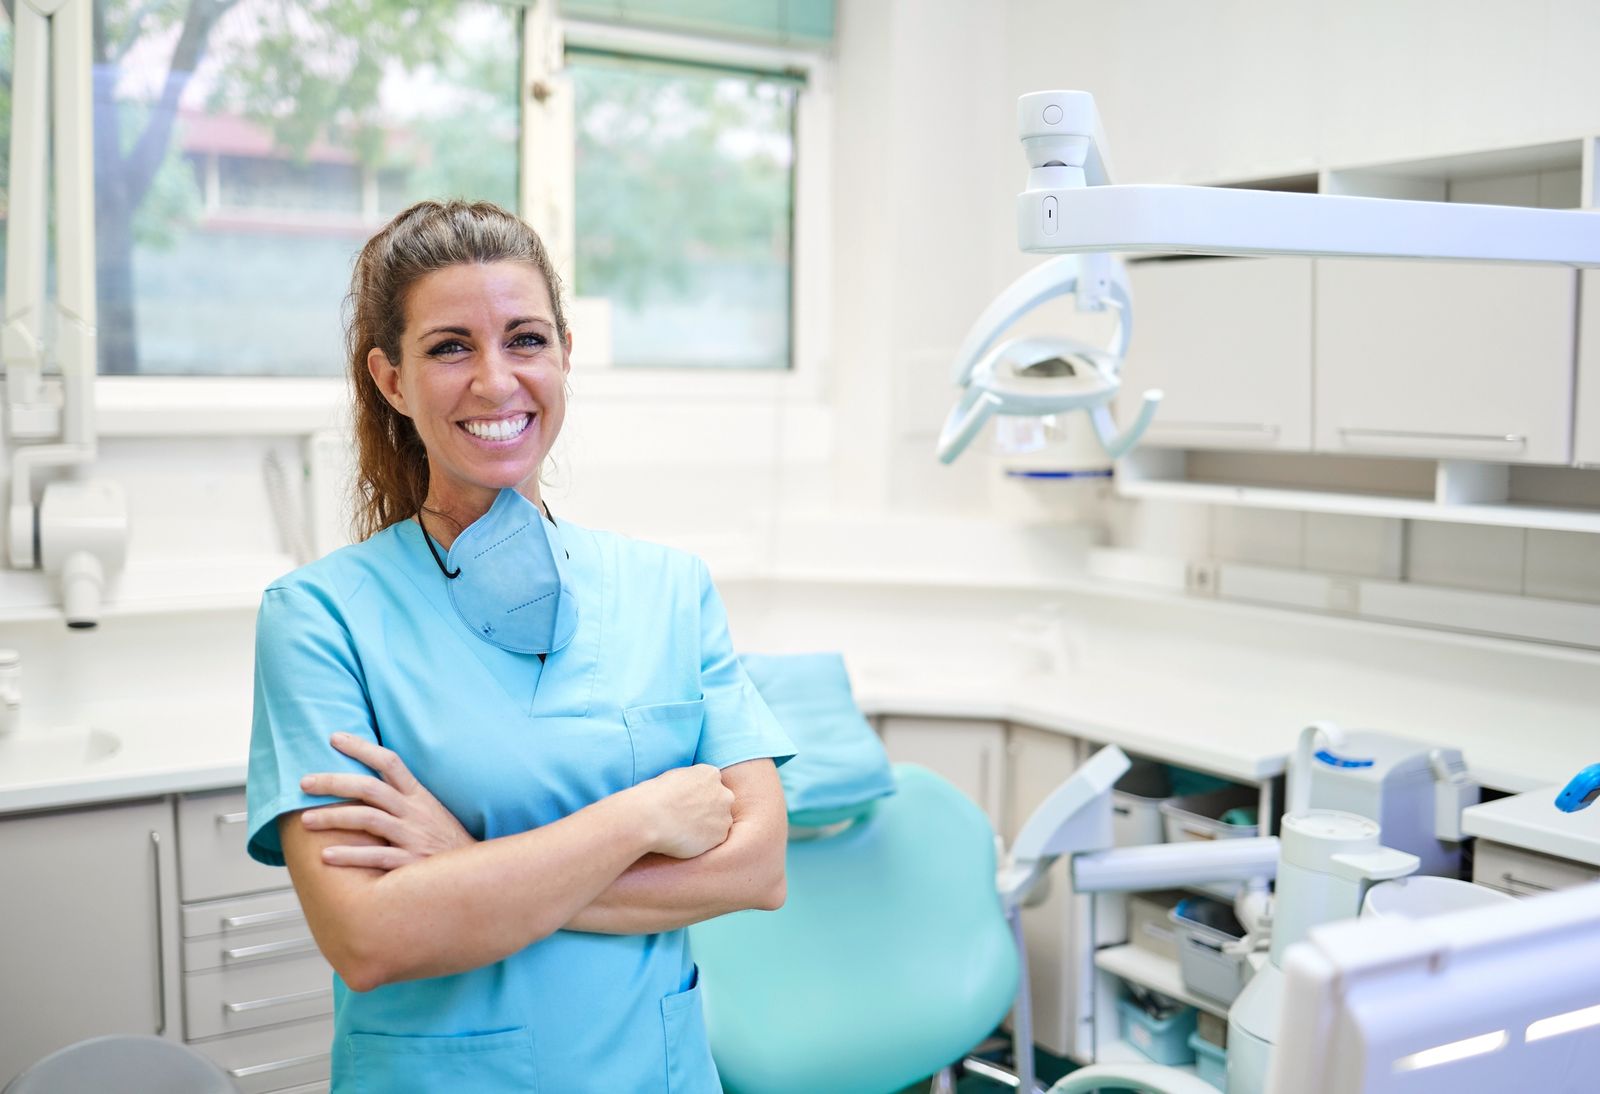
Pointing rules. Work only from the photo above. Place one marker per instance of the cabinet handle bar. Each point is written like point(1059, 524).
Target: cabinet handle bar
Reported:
point(276, 1000)
point(1518, 439)
point(232, 818)
point(161, 942)
point(278, 1065)
point(256, 919)
point(267, 949)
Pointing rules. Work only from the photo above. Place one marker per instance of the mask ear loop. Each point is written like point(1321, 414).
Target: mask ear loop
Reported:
point(434, 551)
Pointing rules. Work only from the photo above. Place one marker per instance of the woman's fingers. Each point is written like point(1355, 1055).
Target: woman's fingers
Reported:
point(372, 857)
point(352, 818)
point(384, 761)
point(375, 792)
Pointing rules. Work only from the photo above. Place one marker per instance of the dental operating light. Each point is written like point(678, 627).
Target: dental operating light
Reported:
point(1071, 208)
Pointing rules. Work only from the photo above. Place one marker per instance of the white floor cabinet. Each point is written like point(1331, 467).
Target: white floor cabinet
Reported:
point(88, 940)
point(970, 753)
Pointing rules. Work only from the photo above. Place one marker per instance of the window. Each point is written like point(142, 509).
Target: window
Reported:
point(245, 149)
point(684, 209)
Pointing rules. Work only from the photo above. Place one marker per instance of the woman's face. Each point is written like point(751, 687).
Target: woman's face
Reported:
point(482, 376)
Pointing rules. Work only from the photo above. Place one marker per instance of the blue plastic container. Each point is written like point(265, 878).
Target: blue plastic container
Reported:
point(1210, 1062)
point(1165, 1040)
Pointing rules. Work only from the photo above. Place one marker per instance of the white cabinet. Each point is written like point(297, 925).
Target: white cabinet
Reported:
point(971, 754)
point(1586, 441)
point(1228, 341)
point(1057, 929)
point(1445, 360)
point(88, 919)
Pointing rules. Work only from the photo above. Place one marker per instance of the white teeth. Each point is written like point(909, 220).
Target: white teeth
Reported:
point(501, 429)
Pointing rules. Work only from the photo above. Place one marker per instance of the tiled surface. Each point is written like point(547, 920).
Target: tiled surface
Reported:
point(1265, 537)
point(1465, 556)
point(1563, 566)
point(1361, 546)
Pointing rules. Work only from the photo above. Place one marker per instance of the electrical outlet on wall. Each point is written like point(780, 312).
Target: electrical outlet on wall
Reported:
point(1344, 595)
point(1200, 578)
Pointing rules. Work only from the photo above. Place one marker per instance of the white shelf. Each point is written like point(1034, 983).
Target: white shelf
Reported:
point(1154, 972)
point(1314, 501)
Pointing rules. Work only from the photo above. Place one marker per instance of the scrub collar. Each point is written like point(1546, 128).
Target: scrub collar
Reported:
point(506, 578)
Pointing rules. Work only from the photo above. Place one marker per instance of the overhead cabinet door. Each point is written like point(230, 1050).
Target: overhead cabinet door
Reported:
point(1228, 340)
point(1445, 360)
point(1586, 445)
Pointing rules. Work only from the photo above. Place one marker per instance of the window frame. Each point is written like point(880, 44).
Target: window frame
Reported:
point(174, 406)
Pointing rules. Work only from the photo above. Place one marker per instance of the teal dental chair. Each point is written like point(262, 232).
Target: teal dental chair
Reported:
point(890, 960)
point(892, 957)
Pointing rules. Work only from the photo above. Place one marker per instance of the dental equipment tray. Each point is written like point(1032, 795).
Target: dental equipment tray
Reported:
point(1199, 816)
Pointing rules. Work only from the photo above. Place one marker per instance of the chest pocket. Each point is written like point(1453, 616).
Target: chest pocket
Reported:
point(664, 736)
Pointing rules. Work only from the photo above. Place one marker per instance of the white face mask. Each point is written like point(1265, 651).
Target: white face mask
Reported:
point(506, 578)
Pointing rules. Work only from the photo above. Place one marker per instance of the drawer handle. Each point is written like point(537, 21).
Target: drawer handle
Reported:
point(276, 1000)
point(1515, 883)
point(269, 949)
point(278, 1065)
point(232, 818)
point(1492, 440)
point(257, 919)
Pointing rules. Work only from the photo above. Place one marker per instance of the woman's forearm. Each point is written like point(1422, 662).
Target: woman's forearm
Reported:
point(465, 908)
point(658, 893)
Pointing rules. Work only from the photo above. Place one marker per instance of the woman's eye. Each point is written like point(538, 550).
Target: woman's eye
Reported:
point(528, 341)
point(447, 348)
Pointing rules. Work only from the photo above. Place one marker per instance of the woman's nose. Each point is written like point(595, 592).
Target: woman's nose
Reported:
point(495, 377)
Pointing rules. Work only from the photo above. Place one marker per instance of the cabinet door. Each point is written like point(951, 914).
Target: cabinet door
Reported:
point(1060, 959)
point(1445, 360)
point(1228, 341)
point(971, 754)
point(1586, 443)
point(86, 921)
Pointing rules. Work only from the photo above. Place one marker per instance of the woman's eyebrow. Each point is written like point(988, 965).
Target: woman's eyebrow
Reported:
point(462, 331)
point(512, 324)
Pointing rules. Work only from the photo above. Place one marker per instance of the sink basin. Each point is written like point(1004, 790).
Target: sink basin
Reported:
point(54, 754)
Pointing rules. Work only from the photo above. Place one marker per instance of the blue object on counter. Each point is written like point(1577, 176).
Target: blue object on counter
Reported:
point(1583, 789)
point(1163, 1040)
point(1210, 1061)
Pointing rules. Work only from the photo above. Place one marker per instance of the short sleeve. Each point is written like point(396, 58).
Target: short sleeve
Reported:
point(308, 686)
point(738, 725)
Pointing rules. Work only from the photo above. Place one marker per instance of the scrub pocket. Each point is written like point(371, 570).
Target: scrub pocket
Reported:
point(690, 1069)
point(664, 736)
point(501, 1062)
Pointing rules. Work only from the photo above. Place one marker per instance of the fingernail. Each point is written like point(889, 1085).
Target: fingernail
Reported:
point(307, 782)
point(341, 737)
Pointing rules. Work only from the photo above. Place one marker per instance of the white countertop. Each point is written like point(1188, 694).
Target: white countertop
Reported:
point(1219, 689)
point(1532, 820)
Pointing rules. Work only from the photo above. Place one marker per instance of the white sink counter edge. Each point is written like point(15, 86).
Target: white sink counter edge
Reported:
point(206, 747)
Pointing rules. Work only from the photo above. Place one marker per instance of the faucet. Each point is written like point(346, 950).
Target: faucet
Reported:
point(10, 691)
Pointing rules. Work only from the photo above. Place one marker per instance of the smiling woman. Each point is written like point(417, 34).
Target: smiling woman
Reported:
point(551, 758)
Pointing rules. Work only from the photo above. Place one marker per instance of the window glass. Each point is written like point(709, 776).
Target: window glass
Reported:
point(685, 200)
point(245, 149)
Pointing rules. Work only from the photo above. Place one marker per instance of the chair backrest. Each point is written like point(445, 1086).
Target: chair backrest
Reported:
point(890, 959)
point(126, 1064)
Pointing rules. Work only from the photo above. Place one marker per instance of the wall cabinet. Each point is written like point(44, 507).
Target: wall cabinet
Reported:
point(88, 940)
point(971, 754)
point(1445, 360)
point(1228, 342)
point(1586, 439)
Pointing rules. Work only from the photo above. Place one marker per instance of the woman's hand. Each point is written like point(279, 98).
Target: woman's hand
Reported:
point(397, 808)
point(689, 810)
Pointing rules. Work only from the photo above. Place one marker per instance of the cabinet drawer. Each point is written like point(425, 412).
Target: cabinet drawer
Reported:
point(274, 1059)
point(243, 948)
point(228, 999)
point(212, 861)
point(245, 913)
point(1521, 872)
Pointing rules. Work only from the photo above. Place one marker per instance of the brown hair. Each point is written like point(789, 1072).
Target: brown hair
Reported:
point(391, 465)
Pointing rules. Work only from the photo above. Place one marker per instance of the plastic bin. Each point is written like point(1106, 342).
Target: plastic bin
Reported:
point(1198, 817)
point(1150, 922)
point(1136, 804)
point(1204, 928)
point(1210, 1062)
point(1164, 1040)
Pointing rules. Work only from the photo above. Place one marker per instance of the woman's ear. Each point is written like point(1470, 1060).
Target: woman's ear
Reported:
point(387, 376)
point(566, 357)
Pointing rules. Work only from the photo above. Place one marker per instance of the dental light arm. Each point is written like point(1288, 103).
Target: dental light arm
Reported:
point(79, 529)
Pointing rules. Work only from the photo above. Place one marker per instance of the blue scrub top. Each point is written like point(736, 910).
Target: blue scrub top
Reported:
point(367, 641)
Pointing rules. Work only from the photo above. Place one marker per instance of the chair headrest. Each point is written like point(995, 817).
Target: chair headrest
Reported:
point(840, 768)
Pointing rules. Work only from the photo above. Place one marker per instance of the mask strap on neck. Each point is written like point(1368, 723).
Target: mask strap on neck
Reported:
point(434, 551)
